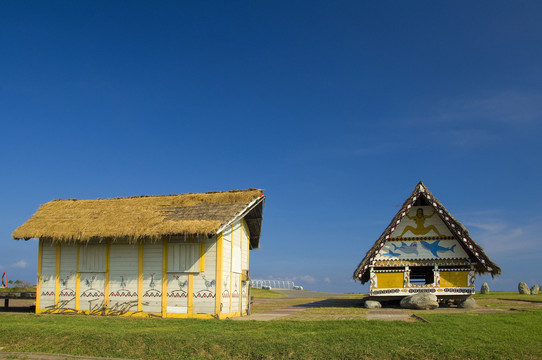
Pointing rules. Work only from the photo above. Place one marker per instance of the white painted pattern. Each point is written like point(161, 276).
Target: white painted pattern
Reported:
point(183, 257)
point(92, 258)
point(152, 277)
point(204, 283)
point(67, 278)
point(226, 262)
point(92, 291)
point(177, 293)
point(245, 247)
point(123, 274)
point(92, 283)
point(236, 268)
point(48, 270)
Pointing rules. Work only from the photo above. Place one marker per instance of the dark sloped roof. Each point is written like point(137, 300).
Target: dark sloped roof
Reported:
point(484, 264)
point(152, 217)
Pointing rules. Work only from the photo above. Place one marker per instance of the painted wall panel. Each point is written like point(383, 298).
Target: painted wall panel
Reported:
point(244, 296)
point(453, 278)
point(423, 249)
point(177, 293)
point(226, 269)
point(236, 292)
point(421, 221)
point(204, 282)
point(236, 250)
point(68, 269)
point(48, 270)
point(92, 258)
point(123, 273)
point(152, 277)
point(389, 280)
point(236, 268)
point(183, 257)
point(245, 247)
point(92, 291)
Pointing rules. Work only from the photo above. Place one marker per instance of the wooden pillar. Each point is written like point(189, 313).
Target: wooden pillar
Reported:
point(219, 280)
point(164, 275)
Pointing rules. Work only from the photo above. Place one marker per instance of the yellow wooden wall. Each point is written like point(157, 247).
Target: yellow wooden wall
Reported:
point(389, 280)
point(454, 278)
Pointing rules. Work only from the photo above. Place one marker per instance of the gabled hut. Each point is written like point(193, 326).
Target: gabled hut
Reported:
point(424, 249)
point(172, 256)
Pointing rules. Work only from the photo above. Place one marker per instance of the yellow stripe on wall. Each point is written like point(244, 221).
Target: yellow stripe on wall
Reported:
point(77, 283)
point(190, 300)
point(164, 276)
point(241, 275)
point(38, 283)
point(106, 277)
point(248, 268)
point(219, 280)
point(140, 278)
point(231, 264)
point(190, 293)
point(202, 257)
point(57, 273)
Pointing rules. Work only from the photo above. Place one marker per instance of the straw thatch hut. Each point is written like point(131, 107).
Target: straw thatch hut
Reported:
point(173, 256)
point(423, 249)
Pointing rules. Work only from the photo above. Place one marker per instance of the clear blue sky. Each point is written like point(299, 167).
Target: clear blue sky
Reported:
point(336, 109)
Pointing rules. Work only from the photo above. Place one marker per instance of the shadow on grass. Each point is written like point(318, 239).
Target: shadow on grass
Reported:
point(18, 309)
point(336, 303)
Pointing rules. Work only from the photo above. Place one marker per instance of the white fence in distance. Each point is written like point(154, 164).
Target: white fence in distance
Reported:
point(274, 284)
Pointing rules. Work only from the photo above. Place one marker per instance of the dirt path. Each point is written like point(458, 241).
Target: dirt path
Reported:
point(312, 294)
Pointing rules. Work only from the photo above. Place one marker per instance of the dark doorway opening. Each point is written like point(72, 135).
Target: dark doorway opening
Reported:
point(422, 275)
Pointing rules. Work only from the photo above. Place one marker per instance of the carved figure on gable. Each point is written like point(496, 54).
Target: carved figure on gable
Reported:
point(420, 228)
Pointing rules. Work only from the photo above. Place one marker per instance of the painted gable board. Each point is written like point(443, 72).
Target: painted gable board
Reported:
point(421, 221)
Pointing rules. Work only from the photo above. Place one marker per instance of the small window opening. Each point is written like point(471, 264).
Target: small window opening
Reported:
point(422, 275)
point(421, 201)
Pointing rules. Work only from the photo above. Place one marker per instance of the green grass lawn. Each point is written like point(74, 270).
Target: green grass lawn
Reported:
point(265, 294)
point(457, 335)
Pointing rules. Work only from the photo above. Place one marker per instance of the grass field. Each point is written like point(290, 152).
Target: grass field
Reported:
point(451, 335)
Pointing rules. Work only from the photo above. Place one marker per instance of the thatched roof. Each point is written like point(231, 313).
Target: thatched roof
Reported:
point(422, 194)
point(149, 217)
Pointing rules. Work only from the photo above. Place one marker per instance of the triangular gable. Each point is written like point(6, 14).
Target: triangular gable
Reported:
point(421, 235)
point(440, 230)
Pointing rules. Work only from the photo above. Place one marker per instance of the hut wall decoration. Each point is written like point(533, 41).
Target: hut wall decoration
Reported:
point(423, 249)
point(171, 256)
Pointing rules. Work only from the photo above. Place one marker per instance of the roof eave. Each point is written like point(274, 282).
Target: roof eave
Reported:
point(253, 204)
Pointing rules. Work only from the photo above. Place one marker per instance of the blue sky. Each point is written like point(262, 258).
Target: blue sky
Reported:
point(336, 109)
